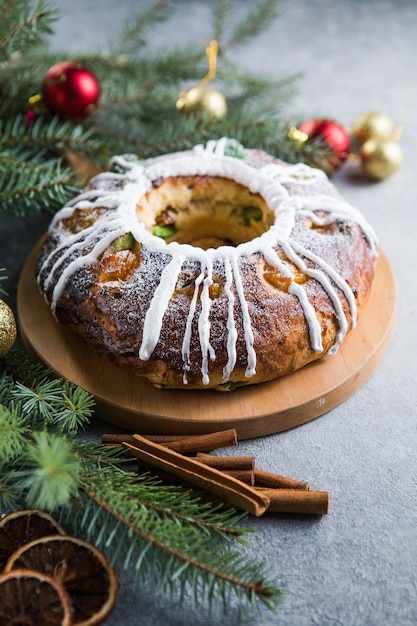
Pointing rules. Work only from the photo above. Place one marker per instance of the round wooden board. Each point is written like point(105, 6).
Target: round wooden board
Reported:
point(132, 403)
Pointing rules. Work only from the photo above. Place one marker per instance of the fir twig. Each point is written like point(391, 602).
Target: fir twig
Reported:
point(46, 135)
point(23, 25)
point(30, 188)
point(3, 292)
point(133, 36)
point(34, 176)
point(221, 13)
point(152, 517)
point(165, 533)
point(255, 22)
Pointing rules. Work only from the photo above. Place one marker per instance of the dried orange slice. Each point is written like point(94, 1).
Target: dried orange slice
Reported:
point(32, 598)
point(80, 567)
point(22, 526)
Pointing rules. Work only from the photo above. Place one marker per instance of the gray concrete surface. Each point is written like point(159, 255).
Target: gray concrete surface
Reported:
point(358, 565)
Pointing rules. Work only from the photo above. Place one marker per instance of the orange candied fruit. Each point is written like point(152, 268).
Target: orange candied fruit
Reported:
point(83, 218)
point(118, 265)
point(214, 290)
point(274, 277)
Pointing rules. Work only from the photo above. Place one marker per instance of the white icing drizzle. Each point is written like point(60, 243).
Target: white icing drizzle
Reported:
point(231, 326)
point(158, 306)
point(247, 326)
point(321, 277)
point(187, 335)
point(204, 324)
point(209, 160)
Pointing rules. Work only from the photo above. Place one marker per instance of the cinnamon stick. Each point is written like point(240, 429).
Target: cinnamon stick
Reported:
point(245, 476)
point(305, 502)
point(118, 439)
point(227, 462)
point(184, 444)
point(240, 467)
point(276, 481)
point(202, 443)
point(228, 489)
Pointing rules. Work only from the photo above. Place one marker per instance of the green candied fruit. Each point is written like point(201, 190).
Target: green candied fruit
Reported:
point(229, 386)
point(164, 231)
point(234, 149)
point(125, 242)
point(251, 214)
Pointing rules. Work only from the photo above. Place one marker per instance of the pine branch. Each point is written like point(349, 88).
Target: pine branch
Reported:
point(34, 174)
point(51, 471)
point(221, 13)
point(31, 188)
point(254, 23)
point(13, 433)
point(134, 34)
point(47, 134)
point(2, 277)
point(16, 366)
point(165, 533)
point(184, 556)
point(23, 25)
point(188, 505)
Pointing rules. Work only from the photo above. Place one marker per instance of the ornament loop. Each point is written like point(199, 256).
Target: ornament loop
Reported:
point(211, 52)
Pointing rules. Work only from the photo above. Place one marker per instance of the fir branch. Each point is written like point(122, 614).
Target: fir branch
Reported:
point(221, 13)
point(10, 491)
point(56, 403)
point(23, 25)
point(184, 555)
point(2, 277)
point(51, 472)
point(189, 507)
point(31, 188)
point(13, 433)
point(47, 134)
point(255, 22)
point(133, 36)
point(76, 408)
point(18, 366)
point(167, 533)
point(34, 176)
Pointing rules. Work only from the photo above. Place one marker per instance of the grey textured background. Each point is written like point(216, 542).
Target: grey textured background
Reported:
point(356, 566)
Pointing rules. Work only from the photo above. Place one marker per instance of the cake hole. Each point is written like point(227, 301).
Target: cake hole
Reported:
point(204, 211)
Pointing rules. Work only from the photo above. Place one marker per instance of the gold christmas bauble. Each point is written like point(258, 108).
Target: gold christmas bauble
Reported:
point(7, 328)
point(380, 159)
point(202, 99)
point(371, 125)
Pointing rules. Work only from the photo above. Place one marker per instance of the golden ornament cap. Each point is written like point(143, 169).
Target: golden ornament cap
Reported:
point(202, 99)
point(7, 328)
point(380, 158)
point(371, 125)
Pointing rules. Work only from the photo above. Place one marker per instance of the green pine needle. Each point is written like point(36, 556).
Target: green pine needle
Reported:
point(23, 25)
point(2, 277)
point(52, 473)
point(13, 433)
point(57, 403)
point(254, 23)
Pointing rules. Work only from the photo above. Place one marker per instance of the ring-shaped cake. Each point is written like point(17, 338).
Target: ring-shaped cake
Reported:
point(210, 268)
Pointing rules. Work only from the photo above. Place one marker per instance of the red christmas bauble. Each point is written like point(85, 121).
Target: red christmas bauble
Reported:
point(70, 90)
point(333, 134)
